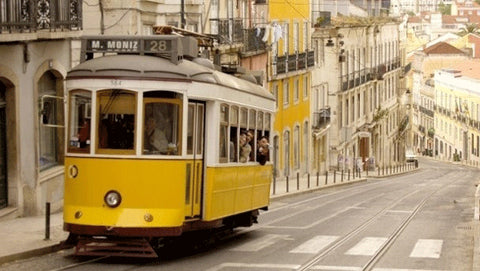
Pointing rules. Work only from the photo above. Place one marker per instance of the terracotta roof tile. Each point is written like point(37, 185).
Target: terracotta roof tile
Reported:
point(442, 48)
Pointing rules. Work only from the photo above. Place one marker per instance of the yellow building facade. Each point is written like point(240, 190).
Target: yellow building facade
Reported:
point(289, 61)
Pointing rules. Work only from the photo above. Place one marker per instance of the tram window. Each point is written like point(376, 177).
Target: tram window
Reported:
point(162, 126)
point(260, 121)
point(190, 128)
point(243, 118)
point(233, 143)
point(79, 121)
point(252, 116)
point(267, 121)
point(200, 116)
point(116, 121)
point(223, 140)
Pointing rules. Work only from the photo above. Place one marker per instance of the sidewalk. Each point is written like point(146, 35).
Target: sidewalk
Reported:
point(23, 238)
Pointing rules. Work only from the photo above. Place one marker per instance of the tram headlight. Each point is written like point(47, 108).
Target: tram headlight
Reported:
point(112, 198)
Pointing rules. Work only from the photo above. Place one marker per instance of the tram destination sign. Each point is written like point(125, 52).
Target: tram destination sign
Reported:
point(166, 46)
point(128, 45)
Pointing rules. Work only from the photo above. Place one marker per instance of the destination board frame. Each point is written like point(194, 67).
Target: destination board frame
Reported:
point(165, 46)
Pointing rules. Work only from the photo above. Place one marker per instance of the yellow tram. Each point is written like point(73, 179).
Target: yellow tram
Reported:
point(156, 145)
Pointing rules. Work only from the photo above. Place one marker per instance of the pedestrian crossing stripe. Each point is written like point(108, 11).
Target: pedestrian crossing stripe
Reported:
point(368, 246)
point(427, 248)
point(260, 243)
point(315, 245)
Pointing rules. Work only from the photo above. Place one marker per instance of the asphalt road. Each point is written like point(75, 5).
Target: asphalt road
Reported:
point(415, 221)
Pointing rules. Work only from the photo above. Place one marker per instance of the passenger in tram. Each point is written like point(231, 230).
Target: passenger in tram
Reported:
point(263, 150)
point(250, 141)
point(84, 133)
point(245, 148)
point(155, 139)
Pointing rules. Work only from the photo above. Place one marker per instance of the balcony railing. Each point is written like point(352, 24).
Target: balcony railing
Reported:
point(321, 118)
point(294, 62)
point(356, 79)
point(229, 30)
point(252, 39)
point(32, 15)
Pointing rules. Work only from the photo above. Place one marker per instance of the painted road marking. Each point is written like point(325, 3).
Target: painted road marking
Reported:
point(260, 266)
point(368, 246)
point(340, 268)
point(427, 248)
point(260, 243)
point(315, 244)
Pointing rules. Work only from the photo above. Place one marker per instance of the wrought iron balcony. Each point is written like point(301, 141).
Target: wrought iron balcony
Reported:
point(253, 40)
point(294, 62)
point(321, 118)
point(229, 30)
point(33, 15)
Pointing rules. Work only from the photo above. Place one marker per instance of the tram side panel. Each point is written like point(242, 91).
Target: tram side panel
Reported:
point(236, 189)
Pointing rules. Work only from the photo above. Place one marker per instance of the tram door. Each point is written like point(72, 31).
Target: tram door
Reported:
point(3, 151)
point(195, 138)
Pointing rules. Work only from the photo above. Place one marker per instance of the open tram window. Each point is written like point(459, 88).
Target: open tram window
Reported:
point(252, 116)
point(116, 121)
point(162, 123)
point(223, 137)
point(233, 143)
point(80, 102)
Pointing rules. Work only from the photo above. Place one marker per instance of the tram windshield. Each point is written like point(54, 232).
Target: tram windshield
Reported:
point(116, 121)
point(79, 122)
point(162, 123)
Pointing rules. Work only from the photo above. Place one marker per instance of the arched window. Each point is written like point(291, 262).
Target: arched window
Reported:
point(51, 117)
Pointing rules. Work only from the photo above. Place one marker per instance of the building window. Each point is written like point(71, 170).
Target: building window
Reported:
point(51, 118)
point(305, 87)
point(306, 147)
point(295, 37)
point(286, 159)
point(275, 94)
point(295, 90)
point(306, 27)
point(285, 38)
point(296, 147)
point(286, 93)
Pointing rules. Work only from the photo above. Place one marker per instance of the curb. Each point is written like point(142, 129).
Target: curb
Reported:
point(32, 253)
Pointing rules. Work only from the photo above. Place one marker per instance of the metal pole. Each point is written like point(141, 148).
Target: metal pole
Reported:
point(298, 180)
point(182, 14)
point(287, 185)
point(47, 221)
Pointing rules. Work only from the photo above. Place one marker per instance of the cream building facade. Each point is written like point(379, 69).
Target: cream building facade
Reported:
point(359, 76)
point(457, 121)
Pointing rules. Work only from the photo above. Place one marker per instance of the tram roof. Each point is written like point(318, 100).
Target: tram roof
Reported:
point(157, 68)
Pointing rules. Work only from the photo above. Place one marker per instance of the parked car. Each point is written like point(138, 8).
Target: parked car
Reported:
point(411, 157)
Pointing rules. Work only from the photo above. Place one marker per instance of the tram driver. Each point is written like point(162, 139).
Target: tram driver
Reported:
point(155, 140)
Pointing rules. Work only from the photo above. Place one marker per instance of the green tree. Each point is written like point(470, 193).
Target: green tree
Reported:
point(469, 28)
point(445, 9)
